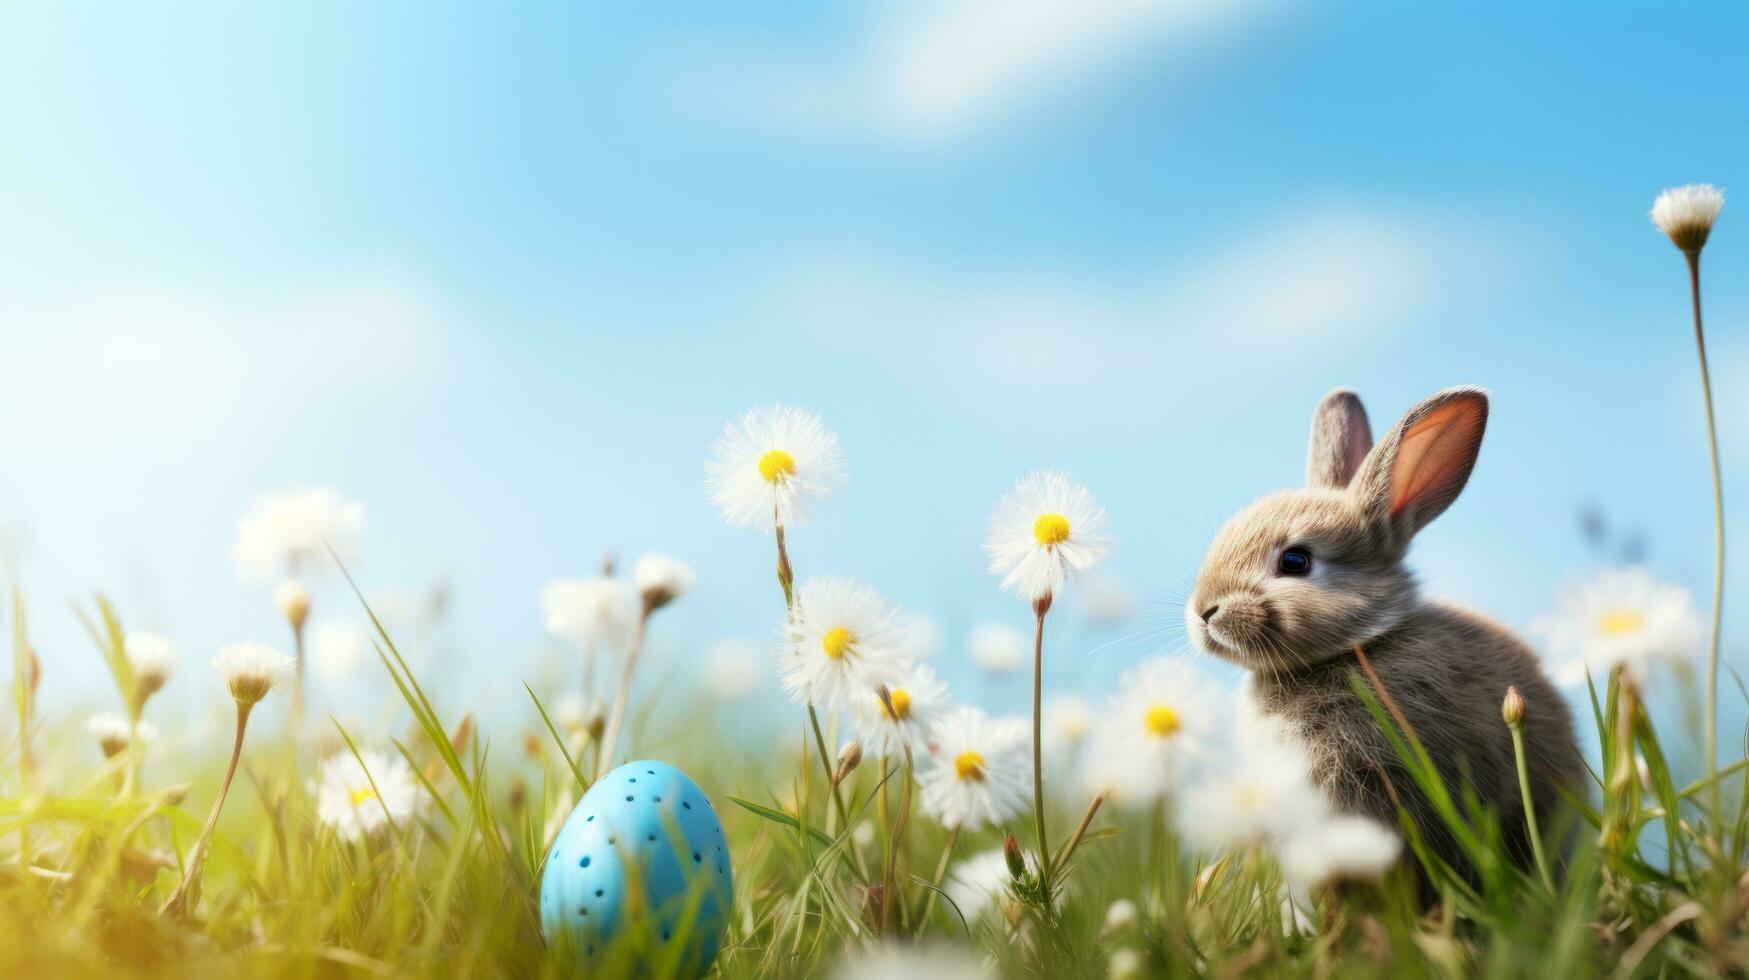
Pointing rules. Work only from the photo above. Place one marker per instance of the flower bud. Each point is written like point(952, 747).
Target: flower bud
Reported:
point(661, 579)
point(1512, 708)
point(1686, 215)
point(1011, 853)
point(294, 602)
point(849, 757)
point(1127, 964)
point(1120, 915)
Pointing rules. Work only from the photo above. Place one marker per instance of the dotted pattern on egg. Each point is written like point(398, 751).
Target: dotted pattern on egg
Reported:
point(643, 837)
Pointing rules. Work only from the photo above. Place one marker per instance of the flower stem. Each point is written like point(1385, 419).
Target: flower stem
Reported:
point(1536, 839)
point(1712, 433)
point(1040, 607)
point(622, 697)
point(181, 901)
point(786, 578)
point(297, 700)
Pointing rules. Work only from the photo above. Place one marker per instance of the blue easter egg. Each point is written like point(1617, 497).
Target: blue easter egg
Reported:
point(638, 880)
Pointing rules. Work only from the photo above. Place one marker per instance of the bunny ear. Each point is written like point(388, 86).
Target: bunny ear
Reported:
point(1340, 440)
point(1418, 468)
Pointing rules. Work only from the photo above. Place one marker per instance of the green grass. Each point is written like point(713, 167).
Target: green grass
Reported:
point(89, 860)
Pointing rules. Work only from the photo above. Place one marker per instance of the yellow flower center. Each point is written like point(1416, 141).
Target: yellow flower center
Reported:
point(1249, 797)
point(1162, 721)
point(836, 641)
point(969, 765)
point(1620, 622)
point(901, 705)
point(776, 464)
point(361, 794)
point(1050, 529)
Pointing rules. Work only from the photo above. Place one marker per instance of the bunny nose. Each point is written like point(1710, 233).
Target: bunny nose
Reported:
point(1209, 613)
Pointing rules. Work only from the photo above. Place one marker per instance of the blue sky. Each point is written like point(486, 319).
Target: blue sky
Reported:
point(504, 273)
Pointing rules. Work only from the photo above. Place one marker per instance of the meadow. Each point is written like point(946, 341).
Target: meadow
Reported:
point(904, 833)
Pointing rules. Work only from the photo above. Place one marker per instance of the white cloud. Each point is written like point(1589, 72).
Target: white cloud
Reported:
point(1317, 285)
point(155, 366)
point(924, 72)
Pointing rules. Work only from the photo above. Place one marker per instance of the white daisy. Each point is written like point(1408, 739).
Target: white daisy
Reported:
point(591, 613)
point(763, 470)
point(252, 670)
point(351, 798)
point(997, 647)
point(732, 670)
point(906, 961)
point(918, 699)
point(1259, 799)
point(978, 882)
point(660, 579)
point(1621, 618)
point(1341, 849)
point(1160, 718)
point(1044, 529)
point(1686, 214)
point(980, 771)
point(291, 531)
point(843, 645)
point(337, 649)
point(114, 733)
point(153, 659)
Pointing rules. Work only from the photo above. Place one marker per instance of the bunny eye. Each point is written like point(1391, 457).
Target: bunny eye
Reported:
point(1294, 561)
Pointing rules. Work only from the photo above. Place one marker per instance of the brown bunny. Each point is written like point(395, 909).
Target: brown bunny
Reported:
point(1295, 581)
